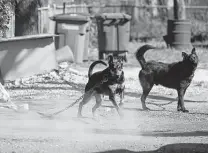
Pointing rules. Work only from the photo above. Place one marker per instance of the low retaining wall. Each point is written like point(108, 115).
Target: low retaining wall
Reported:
point(27, 55)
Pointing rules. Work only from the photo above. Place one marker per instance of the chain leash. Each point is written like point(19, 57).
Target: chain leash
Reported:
point(105, 79)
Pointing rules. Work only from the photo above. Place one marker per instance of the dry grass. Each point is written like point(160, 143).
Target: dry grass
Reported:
point(164, 54)
point(202, 84)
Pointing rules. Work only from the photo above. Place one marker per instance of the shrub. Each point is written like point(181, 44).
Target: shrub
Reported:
point(5, 15)
point(198, 31)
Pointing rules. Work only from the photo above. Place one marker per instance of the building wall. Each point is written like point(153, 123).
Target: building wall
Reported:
point(23, 56)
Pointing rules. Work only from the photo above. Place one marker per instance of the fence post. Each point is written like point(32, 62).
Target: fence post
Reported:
point(50, 13)
point(54, 9)
point(42, 21)
point(136, 10)
point(39, 20)
point(12, 25)
point(64, 7)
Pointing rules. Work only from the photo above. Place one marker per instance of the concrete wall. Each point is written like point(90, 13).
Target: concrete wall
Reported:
point(26, 56)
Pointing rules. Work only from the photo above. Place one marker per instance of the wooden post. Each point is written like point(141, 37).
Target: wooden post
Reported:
point(136, 10)
point(51, 12)
point(169, 5)
point(179, 9)
point(39, 21)
point(64, 7)
point(183, 9)
point(175, 9)
point(117, 32)
point(42, 20)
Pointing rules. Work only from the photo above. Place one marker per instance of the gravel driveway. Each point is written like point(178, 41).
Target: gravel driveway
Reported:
point(161, 130)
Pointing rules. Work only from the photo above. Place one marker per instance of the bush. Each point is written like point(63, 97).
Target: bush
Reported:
point(198, 31)
point(148, 29)
point(5, 15)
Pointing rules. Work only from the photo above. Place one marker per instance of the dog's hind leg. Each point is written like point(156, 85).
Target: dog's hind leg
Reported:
point(144, 97)
point(97, 104)
point(147, 85)
point(181, 93)
point(86, 99)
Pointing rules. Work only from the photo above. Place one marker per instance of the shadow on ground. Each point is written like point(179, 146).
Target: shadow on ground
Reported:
point(153, 110)
point(163, 98)
point(69, 85)
point(171, 148)
point(150, 133)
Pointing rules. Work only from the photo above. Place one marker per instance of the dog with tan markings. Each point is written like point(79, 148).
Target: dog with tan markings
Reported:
point(103, 83)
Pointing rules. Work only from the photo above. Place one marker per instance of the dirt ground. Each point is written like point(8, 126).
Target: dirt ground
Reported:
point(161, 130)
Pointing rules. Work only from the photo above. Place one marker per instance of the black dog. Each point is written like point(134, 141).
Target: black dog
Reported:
point(176, 75)
point(103, 83)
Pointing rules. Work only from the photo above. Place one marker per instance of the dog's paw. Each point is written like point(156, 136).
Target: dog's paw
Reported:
point(182, 110)
point(146, 109)
point(79, 116)
point(185, 111)
point(121, 104)
point(179, 109)
point(95, 116)
point(121, 115)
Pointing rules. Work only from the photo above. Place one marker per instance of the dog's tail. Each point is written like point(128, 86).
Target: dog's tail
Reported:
point(140, 54)
point(93, 65)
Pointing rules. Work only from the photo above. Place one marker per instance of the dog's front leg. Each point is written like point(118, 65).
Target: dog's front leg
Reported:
point(181, 106)
point(121, 89)
point(112, 99)
point(121, 99)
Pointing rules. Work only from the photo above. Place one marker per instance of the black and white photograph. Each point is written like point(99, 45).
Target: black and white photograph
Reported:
point(103, 76)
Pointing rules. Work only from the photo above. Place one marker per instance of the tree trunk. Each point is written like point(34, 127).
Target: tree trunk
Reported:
point(179, 10)
point(26, 16)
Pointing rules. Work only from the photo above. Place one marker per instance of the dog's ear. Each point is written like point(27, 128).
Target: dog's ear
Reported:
point(110, 59)
point(193, 51)
point(184, 55)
